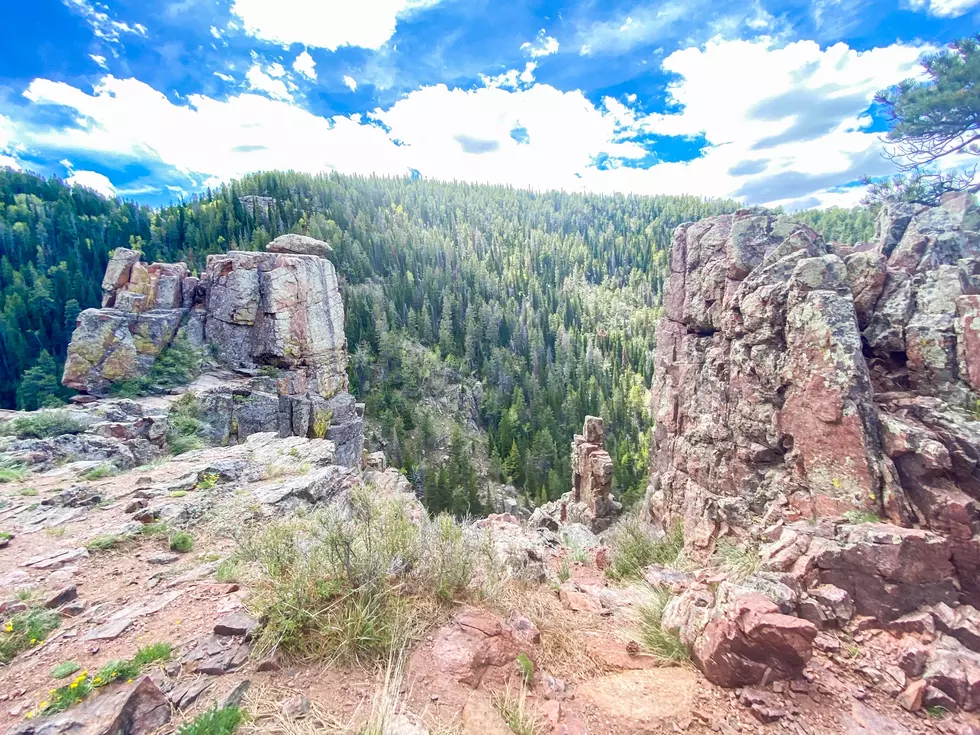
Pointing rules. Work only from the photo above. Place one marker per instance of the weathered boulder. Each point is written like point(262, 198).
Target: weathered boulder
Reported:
point(299, 245)
point(739, 638)
point(475, 649)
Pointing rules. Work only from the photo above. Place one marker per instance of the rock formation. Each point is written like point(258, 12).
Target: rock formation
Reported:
point(803, 389)
point(592, 471)
point(278, 313)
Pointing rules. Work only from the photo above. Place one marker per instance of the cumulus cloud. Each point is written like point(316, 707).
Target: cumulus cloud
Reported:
point(944, 8)
point(782, 124)
point(544, 45)
point(327, 24)
point(305, 65)
point(92, 180)
point(350, 82)
point(262, 81)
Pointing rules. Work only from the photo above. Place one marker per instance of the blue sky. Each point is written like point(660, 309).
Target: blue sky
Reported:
point(768, 101)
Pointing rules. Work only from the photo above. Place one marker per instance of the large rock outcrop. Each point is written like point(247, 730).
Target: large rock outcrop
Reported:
point(798, 380)
point(278, 313)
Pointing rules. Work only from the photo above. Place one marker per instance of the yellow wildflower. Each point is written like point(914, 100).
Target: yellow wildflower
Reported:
point(9, 627)
point(73, 685)
point(43, 705)
point(29, 715)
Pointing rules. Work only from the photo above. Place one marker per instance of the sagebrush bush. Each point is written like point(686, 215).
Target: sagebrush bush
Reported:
point(181, 542)
point(43, 424)
point(636, 545)
point(355, 581)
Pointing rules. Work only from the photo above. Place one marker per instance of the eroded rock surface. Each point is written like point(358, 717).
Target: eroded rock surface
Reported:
point(276, 316)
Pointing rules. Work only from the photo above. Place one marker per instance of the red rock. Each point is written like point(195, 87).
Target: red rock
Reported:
point(476, 648)
point(911, 698)
point(751, 641)
point(480, 718)
point(578, 601)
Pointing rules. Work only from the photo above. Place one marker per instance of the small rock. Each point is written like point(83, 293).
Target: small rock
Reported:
point(162, 559)
point(911, 698)
point(235, 696)
point(480, 718)
point(269, 663)
point(934, 697)
point(826, 643)
point(913, 660)
point(236, 623)
point(765, 706)
point(135, 505)
point(296, 707)
point(73, 609)
point(110, 630)
point(184, 695)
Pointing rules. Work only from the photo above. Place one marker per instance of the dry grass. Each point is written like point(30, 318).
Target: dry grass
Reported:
point(264, 706)
point(563, 651)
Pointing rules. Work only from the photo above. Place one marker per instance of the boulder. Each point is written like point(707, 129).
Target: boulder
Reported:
point(299, 245)
point(475, 648)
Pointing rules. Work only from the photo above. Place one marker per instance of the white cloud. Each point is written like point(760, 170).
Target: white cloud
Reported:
point(327, 24)
point(944, 8)
point(92, 180)
point(782, 124)
point(225, 77)
point(644, 24)
point(100, 60)
point(512, 79)
point(350, 82)
point(275, 70)
point(263, 82)
point(305, 65)
point(97, 16)
point(544, 45)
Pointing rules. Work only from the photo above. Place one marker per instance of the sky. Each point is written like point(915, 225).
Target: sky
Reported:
point(766, 101)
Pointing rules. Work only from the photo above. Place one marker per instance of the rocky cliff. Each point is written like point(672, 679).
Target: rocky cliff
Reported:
point(274, 316)
point(824, 401)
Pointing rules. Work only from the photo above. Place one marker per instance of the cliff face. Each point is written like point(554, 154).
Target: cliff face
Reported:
point(800, 380)
point(279, 312)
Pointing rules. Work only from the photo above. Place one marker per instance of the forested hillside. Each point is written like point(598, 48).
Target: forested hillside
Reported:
point(549, 299)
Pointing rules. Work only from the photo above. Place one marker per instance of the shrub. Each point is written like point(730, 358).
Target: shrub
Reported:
point(11, 470)
point(207, 480)
point(635, 546)
point(355, 582)
point(526, 667)
point(24, 630)
point(663, 644)
point(227, 571)
point(186, 430)
point(181, 542)
point(178, 364)
point(43, 424)
point(213, 722)
point(28, 492)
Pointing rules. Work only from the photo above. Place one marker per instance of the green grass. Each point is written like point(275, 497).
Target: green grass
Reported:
point(181, 542)
point(663, 644)
point(28, 492)
point(177, 494)
point(526, 667)
point(228, 570)
point(517, 715)
point(64, 669)
point(355, 585)
point(43, 424)
point(11, 470)
point(564, 571)
point(937, 712)
point(4, 536)
point(100, 472)
point(213, 722)
point(25, 630)
point(635, 546)
point(106, 541)
point(856, 517)
point(81, 686)
point(738, 562)
point(160, 528)
point(186, 430)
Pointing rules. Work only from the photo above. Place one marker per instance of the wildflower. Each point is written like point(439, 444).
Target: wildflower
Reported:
point(97, 680)
point(34, 641)
point(29, 715)
point(176, 622)
point(73, 685)
point(43, 705)
point(129, 681)
point(9, 627)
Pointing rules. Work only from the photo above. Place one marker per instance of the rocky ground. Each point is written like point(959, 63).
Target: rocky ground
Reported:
point(556, 605)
